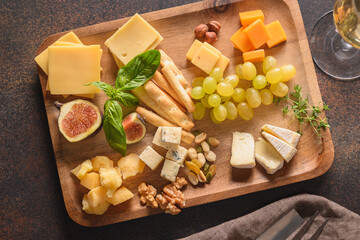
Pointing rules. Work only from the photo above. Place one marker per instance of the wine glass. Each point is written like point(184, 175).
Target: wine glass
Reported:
point(335, 48)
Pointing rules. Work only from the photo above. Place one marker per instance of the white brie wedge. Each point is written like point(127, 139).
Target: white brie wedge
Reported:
point(286, 150)
point(284, 134)
point(242, 150)
point(267, 156)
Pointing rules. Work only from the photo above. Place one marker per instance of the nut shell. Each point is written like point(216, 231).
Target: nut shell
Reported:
point(214, 26)
point(210, 37)
point(200, 30)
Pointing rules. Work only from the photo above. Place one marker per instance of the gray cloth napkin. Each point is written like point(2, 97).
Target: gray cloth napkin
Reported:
point(343, 223)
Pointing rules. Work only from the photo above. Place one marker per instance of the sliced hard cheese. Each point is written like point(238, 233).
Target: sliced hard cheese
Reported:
point(171, 135)
point(246, 18)
point(242, 150)
point(254, 56)
point(286, 150)
point(170, 170)
point(70, 68)
point(276, 32)
point(241, 41)
point(267, 156)
point(205, 59)
point(154, 44)
point(133, 38)
point(193, 49)
point(212, 48)
point(177, 154)
point(151, 158)
point(157, 140)
point(284, 134)
point(257, 33)
point(222, 63)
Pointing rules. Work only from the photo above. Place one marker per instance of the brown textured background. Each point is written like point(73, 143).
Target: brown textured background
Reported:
point(31, 204)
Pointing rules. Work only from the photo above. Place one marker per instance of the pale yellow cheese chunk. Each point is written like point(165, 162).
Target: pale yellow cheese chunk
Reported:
point(156, 43)
point(133, 38)
point(222, 63)
point(193, 49)
point(267, 156)
point(205, 59)
point(42, 58)
point(70, 68)
point(212, 48)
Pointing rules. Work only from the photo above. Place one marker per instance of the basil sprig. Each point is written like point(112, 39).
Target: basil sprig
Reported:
point(134, 74)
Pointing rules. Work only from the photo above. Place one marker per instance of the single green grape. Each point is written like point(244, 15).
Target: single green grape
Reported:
point(274, 75)
point(288, 71)
point(196, 82)
point(266, 97)
point(259, 82)
point(199, 112)
point(253, 97)
point(213, 119)
point(197, 92)
point(224, 99)
point(225, 89)
point(279, 89)
point(238, 71)
point(239, 95)
point(214, 100)
point(269, 63)
point(220, 112)
point(249, 71)
point(204, 101)
point(245, 111)
point(209, 85)
point(231, 110)
point(216, 73)
point(232, 79)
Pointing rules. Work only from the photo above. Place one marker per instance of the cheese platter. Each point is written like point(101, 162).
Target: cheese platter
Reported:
point(174, 36)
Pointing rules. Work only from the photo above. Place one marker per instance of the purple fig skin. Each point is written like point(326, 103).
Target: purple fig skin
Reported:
point(134, 118)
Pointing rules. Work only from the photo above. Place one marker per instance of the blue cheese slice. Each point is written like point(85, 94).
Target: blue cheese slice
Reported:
point(286, 150)
point(242, 150)
point(157, 140)
point(151, 158)
point(171, 135)
point(170, 170)
point(177, 154)
point(284, 134)
point(267, 156)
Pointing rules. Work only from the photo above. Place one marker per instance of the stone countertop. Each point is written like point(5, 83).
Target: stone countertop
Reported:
point(31, 203)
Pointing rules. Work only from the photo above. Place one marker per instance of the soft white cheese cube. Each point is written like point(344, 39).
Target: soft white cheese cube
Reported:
point(242, 150)
point(286, 150)
point(284, 134)
point(267, 156)
point(151, 158)
point(170, 170)
point(157, 140)
point(171, 135)
point(177, 154)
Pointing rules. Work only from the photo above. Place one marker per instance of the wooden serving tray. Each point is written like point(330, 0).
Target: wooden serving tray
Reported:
point(176, 25)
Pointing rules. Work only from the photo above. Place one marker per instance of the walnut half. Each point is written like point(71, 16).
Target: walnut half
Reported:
point(147, 195)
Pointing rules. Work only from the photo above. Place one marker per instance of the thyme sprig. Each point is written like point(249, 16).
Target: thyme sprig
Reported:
point(303, 112)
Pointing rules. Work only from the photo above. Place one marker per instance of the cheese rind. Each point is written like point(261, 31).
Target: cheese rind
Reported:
point(171, 135)
point(284, 134)
point(205, 59)
point(151, 158)
point(267, 156)
point(177, 154)
point(170, 170)
point(157, 140)
point(242, 150)
point(286, 150)
point(133, 38)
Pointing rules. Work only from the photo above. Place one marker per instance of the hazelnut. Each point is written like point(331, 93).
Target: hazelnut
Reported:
point(214, 26)
point(200, 30)
point(210, 37)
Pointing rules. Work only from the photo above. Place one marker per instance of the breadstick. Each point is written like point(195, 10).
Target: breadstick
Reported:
point(172, 99)
point(145, 98)
point(168, 106)
point(170, 74)
point(158, 121)
point(164, 84)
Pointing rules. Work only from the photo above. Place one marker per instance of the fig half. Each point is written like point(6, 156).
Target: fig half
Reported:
point(78, 119)
point(134, 127)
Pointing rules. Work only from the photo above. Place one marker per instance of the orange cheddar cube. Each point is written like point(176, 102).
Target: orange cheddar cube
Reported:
point(241, 41)
point(254, 56)
point(257, 33)
point(276, 32)
point(247, 18)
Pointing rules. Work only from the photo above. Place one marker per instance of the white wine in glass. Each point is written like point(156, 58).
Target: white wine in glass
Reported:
point(335, 47)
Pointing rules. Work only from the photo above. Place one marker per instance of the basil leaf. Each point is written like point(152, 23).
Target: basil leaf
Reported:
point(138, 71)
point(126, 99)
point(107, 88)
point(113, 128)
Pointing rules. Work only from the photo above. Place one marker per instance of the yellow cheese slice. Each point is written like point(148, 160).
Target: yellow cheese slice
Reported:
point(133, 38)
point(72, 67)
point(42, 58)
point(193, 49)
point(267, 156)
point(212, 48)
point(117, 61)
point(205, 59)
point(156, 43)
point(222, 63)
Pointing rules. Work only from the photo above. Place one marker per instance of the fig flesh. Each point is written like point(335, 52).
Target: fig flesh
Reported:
point(78, 119)
point(134, 127)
